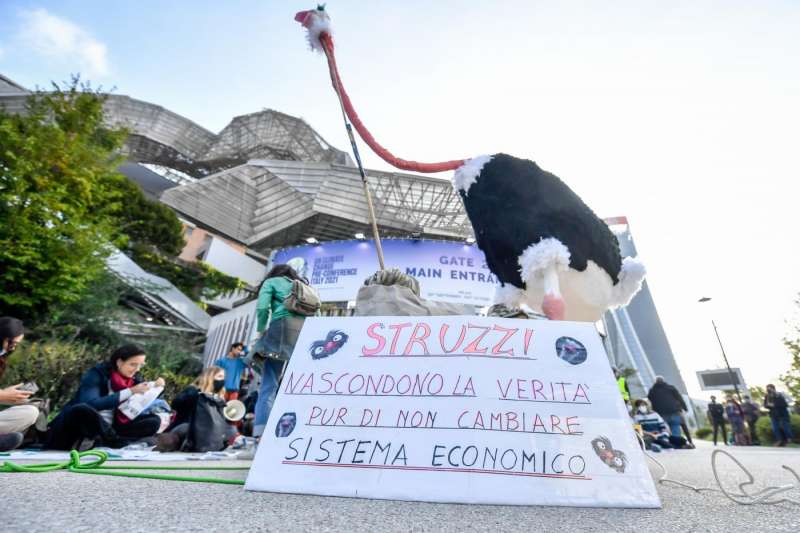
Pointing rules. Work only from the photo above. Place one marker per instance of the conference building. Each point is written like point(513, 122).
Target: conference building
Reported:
point(268, 188)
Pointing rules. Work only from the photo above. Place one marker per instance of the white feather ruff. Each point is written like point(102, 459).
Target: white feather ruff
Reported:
point(631, 277)
point(544, 254)
point(320, 22)
point(468, 173)
point(508, 295)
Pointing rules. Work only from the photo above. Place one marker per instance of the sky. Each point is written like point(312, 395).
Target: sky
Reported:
point(682, 116)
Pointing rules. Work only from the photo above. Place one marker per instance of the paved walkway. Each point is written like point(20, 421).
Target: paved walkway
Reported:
point(68, 502)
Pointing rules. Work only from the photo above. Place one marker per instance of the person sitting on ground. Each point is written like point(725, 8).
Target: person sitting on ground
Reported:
point(655, 431)
point(234, 365)
point(92, 416)
point(17, 418)
point(211, 381)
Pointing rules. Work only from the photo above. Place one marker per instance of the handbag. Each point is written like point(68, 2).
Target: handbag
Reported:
point(303, 299)
point(207, 426)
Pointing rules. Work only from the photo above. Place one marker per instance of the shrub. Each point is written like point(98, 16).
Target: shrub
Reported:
point(55, 366)
point(703, 433)
point(764, 429)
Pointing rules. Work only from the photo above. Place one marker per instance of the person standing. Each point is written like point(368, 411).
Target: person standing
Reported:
point(622, 384)
point(667, 402)
point(277, 341)
point(233, 364)
point(716, 417)
point(779, 415)
point(752, 412)
point(735, 416)
point(17, 418)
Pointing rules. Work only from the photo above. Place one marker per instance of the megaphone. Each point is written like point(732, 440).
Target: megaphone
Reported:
point(234, 411)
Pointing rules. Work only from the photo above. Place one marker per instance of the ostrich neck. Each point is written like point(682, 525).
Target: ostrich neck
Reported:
point(347, 105)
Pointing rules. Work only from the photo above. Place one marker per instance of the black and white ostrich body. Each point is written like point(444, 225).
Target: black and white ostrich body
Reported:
point(546, 247)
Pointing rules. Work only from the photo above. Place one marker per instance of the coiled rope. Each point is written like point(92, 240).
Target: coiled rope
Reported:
point(765, 496)
point(96, 467)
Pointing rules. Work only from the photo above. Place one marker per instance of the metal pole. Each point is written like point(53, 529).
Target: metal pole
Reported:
point(373, 222)
point(727, 365)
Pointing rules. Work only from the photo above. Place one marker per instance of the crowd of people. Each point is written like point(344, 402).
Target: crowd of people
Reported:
point(661, 418)
point(196, 418)
point(743, 417)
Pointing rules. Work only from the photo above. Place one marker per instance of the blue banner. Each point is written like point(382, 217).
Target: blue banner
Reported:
point(447, 271)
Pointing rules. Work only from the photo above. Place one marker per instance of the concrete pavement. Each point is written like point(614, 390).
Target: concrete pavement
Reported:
point(63, 501)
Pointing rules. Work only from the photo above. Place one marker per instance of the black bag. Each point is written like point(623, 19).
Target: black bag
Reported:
point(207, 426)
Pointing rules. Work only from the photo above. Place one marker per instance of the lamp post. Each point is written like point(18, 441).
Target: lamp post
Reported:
point(705, 299)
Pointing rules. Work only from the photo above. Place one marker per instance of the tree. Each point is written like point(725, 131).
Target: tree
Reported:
point(155, 239)
point(147, 223)
point(59, 191)
point(64, 207)
point(757, 394)
point(792, 377)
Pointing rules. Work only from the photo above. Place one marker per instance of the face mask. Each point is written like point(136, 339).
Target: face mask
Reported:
point(218, 384)
point(642, 409)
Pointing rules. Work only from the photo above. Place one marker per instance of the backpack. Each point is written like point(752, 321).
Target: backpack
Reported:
point(303, 299)
point(207, 426)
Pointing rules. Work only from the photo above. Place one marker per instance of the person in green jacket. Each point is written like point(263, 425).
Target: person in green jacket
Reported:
point(279, 329)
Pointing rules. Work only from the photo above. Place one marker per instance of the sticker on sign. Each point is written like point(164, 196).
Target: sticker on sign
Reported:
point(452, 409)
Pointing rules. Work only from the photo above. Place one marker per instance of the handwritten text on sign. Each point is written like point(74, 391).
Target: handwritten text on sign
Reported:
point(458, 409)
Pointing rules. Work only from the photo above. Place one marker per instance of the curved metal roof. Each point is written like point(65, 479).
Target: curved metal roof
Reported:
point(162, 137)
point(267, 204)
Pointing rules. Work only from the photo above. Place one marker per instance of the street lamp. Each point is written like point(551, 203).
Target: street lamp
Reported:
point(705, 299)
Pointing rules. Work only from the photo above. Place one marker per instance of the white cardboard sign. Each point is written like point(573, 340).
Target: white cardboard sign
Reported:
point(452, 409)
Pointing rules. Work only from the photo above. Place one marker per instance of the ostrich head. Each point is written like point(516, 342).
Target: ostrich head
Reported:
point(315, 21)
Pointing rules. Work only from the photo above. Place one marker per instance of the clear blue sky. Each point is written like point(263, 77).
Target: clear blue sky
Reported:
point(681, 115)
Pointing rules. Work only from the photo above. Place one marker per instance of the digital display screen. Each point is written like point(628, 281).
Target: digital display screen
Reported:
point(720, 379)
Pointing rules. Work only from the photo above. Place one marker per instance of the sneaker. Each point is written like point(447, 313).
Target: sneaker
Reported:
point(655, 448)
point(10, 441)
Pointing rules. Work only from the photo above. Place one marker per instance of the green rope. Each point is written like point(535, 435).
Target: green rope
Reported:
point(95, 467)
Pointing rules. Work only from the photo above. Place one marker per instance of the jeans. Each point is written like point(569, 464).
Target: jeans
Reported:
point(280, 338)
point(266, 394)
point(674, 422)
point(781, 428)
